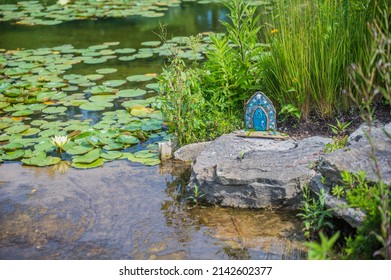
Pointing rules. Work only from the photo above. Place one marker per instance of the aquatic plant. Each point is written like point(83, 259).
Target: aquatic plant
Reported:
point(59, 142)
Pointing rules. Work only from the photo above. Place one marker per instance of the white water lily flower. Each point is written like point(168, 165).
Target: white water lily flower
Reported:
point(59, 141)
point(63, 2)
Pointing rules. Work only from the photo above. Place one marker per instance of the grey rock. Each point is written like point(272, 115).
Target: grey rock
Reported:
point(357, 156)
point(189, 152)
point(255, 173)
point(339, 207)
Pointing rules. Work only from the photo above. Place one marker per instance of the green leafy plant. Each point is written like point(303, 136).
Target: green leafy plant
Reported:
point(314, 213)
point(340, 136)
point(194, 199)
point(321, 251)
point(338, 191)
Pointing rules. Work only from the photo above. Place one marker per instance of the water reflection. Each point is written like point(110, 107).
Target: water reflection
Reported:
point(128, 211)
point(184, 20)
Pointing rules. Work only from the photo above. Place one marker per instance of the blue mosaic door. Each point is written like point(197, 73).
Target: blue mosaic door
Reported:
point(260, 114)
point(259, 120)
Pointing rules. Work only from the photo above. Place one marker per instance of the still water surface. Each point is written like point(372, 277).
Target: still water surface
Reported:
point(126, 210)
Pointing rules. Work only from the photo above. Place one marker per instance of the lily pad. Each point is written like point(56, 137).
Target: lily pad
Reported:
point(95, 106)
point(12, 146)
point(41, 160)
point(141, 112)
point(125, 51)
point(94, 164)
point(21, 113)
point(127, 139)
point(31, 131)
point(102, 90)
point(131, 92)
point(151, 43)
point(139, 78)
point(106, 70)
point(145, 161)
point(79, 149)
point(127, 58)
point(114, 83)
point(13, 155)
point(95, 60)
point(54, 110)
point(17, 129)
point(145, 154)
point(111, 155)
point(89, 157)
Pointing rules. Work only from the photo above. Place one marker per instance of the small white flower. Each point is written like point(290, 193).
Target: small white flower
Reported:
point(59, 141)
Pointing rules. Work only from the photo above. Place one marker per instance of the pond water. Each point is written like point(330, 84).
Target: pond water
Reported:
point(125, 210)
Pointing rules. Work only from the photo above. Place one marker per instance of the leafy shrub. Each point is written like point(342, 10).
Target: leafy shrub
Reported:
point(314, 214)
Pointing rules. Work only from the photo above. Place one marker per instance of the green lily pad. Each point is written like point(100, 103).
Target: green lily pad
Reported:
point(111, 145)
point(3, 104)
point(12, 146)
point(111, 155)
point(114, 83)
point(151, 43)
point(17, 129)
point(94, 77)
point(125, 51)
point(144, 55)
point(95, 60)
point(127, 139)
point(89, 157)
point(95, 106)
point(13, 155)
point(106, 71)
point(70, 88)
point(23, 113)
point(132, 103)
point(141, 112)
point(139, 78)
point(96, 163)
point(153, 86)
point(145, 154)
point(54, 110)
point(102, 90)
point(78, 150)
point(41, 160)
point(31, 131)
point(145, 161)
point(46, 146)
point(127, 58)
point(131, 92)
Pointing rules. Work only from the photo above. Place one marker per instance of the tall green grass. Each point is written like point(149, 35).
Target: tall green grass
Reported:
point(312, 44)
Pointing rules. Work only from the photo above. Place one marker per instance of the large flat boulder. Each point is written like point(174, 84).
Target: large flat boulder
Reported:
point(357, 156)
point(255, 173)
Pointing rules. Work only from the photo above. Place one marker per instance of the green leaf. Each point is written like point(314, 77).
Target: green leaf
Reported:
point(131, 92)
point(94, 164)
point(78, 150)
point(88, 157)
point(13, 155)
point(41, 161)
point(127, 139)
point(111, 155)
